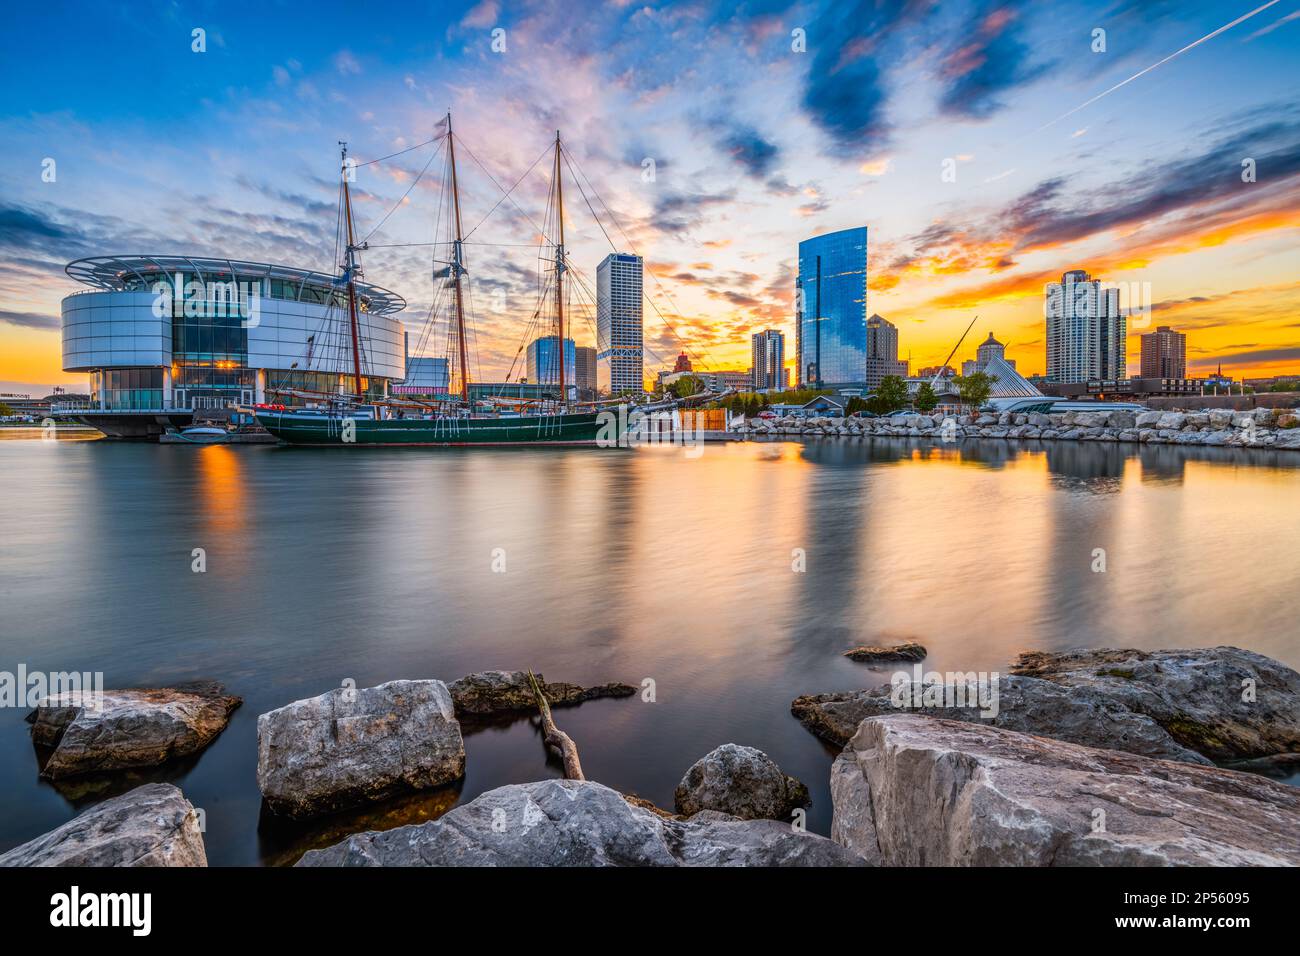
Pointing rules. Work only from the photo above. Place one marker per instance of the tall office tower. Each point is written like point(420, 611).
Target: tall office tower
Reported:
point(619, 344)
point(831, 309)
point(544, 361)
point(584, 368)
point(767, 369)
point(1085, 330)
point(1164, 353)
point(882, 351)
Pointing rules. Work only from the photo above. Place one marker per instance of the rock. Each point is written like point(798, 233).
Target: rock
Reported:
point(1171, 420)
point(1122, 421)
point(129, 728)
point(1149, 419)
point(910, 790)
point(740, 781)
point(908, 651)
point(1025, 704)
point(153, 825)
point(1287, 438)
point(489, 693)
point(580, 823)
point(1220, 418)
point(1196, 695)
point(350, 747)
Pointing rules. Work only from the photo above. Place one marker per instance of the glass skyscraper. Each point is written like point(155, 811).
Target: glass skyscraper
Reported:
point(831, 309)
point(543, 362)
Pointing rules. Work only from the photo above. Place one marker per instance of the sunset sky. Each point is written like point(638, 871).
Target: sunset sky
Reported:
point(756, 146)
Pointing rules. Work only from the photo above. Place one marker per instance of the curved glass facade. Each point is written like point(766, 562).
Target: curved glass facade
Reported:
point(832, 308)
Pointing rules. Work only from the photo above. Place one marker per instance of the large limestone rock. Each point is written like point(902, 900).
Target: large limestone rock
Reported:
point(491, 693)
point(915, 791)
point(128, 728)
point(351, 747)
point(1223, 702)
point(580, 823)
point(153, 825)
point(1025, 704)
point(742, 782)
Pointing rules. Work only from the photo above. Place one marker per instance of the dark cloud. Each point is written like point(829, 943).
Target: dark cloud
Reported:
point(985, 59)
point(29, 320)
point(1256, 357)
point(748, 148)
point(1042, 217)
point(853, 44)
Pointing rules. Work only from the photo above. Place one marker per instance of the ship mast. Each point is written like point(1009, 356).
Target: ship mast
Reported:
point(559, 271)
point(350, 272)
point(458, 267)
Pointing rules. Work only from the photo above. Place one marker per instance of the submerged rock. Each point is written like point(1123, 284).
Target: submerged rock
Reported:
point(1024, 704)
point(128, 728)
point(351, 747)
point(488, 693)
point(910, 790)
point(153, 825)
point(1223, 702)
point(742, 782)
point(909, 652)
point(580, 823)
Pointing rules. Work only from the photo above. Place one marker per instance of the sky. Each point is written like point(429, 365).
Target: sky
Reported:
point(764, 123)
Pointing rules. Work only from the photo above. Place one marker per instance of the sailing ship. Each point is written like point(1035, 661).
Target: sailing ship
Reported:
point(356, 419)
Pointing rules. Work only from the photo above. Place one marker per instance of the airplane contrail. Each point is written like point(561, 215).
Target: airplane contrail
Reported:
point(1195, 43)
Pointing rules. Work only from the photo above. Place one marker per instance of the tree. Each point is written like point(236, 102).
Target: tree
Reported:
point(974, 389)
point(5, 410)
point(890, 395)
point(856, 404)
point(926, 399)
point(687, 385)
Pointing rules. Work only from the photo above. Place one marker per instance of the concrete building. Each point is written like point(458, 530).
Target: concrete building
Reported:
point(162, 336)
point(882, 351)
point(768, 360)
point(584, 371)
point(987, 351)
point(1164, 354)
point(1085, 330)
point(619, 333)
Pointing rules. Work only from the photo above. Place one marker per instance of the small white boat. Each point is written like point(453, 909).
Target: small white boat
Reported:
point(204, 434)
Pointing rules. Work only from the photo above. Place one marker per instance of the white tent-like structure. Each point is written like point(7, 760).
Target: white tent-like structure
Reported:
point(1007, 382)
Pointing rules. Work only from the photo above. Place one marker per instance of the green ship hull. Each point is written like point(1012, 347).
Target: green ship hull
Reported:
point(308, 428)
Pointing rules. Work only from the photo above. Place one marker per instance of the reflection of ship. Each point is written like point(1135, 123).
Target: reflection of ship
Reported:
point(357, 419)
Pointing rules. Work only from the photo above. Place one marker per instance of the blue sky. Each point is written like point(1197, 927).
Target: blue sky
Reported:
point(756, 144)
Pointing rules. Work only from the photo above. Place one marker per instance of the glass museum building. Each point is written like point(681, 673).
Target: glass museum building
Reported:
point(162, 337)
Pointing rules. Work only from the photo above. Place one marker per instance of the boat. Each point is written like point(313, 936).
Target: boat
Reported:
point(197, 435)
point(359, 421)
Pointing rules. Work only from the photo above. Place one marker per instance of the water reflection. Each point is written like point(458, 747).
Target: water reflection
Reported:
point(642, 566)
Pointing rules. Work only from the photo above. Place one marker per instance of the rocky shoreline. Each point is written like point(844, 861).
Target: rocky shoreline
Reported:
point(1090, 757)
point(1258, 428)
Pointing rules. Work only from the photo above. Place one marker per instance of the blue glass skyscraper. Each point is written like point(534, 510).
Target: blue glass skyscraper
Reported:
point(831, 307)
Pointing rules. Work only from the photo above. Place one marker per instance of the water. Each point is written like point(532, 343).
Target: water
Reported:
point(376, 564)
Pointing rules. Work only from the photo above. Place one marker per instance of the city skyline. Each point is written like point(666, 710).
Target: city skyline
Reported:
point(234, 150)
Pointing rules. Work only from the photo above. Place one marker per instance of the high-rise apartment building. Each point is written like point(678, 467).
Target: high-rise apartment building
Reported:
point(767, 369)
point(882, 351)
point(619, 343)
point(1164, 353)
point(584, 368)
point(1085, 330)
point(831, 309)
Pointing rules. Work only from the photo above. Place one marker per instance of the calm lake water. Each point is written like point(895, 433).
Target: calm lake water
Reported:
point(377, 564)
